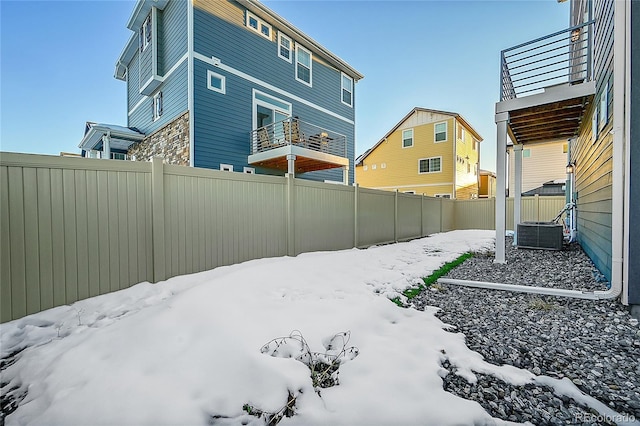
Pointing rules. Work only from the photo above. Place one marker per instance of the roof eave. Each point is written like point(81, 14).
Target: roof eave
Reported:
point(125, 57)
point(260, 9)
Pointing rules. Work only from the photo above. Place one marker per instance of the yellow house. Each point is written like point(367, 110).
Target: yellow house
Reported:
point(430, 152)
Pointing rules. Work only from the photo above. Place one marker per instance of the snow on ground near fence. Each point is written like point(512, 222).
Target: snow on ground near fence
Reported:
point(188, 349)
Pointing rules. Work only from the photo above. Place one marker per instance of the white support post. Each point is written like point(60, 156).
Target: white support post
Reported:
point(106, 146)
point(501, 186)
point(517, 190)
point(291, 163)
point(345, 174)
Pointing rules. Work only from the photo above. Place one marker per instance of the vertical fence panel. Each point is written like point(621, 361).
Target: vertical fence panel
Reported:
point(409, 216)
point(376, 216)
point(82, 235)
point(448, 215)
point(93, 236)
point(431, 215)
point(475, 214)
point(45, 254)
point(31, 239)
point(320, 210)
point(18, 261)
point(6, 313)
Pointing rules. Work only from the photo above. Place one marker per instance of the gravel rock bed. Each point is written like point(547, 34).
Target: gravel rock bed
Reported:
point(596, 344)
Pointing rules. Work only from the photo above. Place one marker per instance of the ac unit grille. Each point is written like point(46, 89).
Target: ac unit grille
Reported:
point(540, 235)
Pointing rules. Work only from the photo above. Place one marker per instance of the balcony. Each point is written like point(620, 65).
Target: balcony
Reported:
point(547, 84)
point(295, 146)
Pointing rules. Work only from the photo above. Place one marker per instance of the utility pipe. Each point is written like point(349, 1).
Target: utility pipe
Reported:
point(576, 294)
point(617, 187)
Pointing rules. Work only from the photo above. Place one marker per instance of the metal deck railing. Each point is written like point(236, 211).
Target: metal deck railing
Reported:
point(564, 57)
point(293, 131)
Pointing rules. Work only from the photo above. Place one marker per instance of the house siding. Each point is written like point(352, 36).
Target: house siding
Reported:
point(400, 169)
point(172, 37)
point(546, 162)
point(145, 68)
point(594, 167)
point(222, 122)
point(133, 85)
point(467, 158)
point(174, 97)
point(593, 156)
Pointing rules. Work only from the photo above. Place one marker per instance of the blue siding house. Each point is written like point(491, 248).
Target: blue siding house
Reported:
point(230, 85)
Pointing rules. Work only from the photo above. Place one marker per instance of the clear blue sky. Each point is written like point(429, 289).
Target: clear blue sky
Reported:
point(58, 57)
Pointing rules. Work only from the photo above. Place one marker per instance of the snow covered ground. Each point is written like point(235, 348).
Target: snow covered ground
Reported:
point(188, 350)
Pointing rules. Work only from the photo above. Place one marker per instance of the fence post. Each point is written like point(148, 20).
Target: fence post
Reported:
point(355, 214)
point(537, 198)
point(291, 242)
point(422, 215)
point(440, 199)
point(157, 224)
point(395, 218)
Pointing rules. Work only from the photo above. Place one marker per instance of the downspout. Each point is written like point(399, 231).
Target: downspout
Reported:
point(619, 137)
point(617, 201)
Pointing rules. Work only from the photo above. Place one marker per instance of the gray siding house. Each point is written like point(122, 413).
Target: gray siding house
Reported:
point(576, 85)
point(230, 85)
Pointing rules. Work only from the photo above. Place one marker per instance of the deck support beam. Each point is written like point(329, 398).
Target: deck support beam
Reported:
point(501, 186)
point(517, 190)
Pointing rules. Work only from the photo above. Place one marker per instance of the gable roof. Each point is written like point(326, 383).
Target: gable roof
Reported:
point(455, 115)
point(264, 12)
point(143, 7)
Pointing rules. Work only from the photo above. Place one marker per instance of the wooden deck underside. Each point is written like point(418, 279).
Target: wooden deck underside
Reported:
point(302, 164)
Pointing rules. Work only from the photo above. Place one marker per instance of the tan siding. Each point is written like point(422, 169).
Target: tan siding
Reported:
point(401, 164)
point(546, 163)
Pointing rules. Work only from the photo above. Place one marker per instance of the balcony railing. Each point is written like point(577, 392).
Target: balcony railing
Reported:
point(564, 57)
point(295, 132)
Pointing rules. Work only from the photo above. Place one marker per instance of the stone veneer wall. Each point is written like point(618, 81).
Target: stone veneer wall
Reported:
point(170, 142)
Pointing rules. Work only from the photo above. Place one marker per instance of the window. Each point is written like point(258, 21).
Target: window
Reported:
point(430, 165)
point(157, 106)
point(383, 165)
point(594, 123)
point(249, 170)
point(461, 133)
point(258, 25)
point(226, 167)
point(269, 110)
point(145, 33)
point(347, 90)
point(526, 153)
point(442, 195)
point(407, 138)
point(119, 156)
point(284, 47)
point(303, 65)
point(365, 168)
point(604, 104)
point(409, 192)
point(215, 82)
point(565, 148)
point(440, 130)
point(373, 167)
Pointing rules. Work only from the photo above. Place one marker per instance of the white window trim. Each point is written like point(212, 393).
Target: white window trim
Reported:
point(250, 15)
point(143, 32)
point(429, 158)
point(461, 133)
point(402, 137)
point(365, 167)
point(373, 167)
point(443, 195)
point(256, 102)
point(283, 36)
point(446, 132)
point(249, 170)
point(310, 83)
point(157, 114)
point(342, 77)
point(222, 89)
point(226, 167)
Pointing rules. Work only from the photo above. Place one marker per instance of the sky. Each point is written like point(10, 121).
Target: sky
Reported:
point(185, 350)
point(58, 58)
